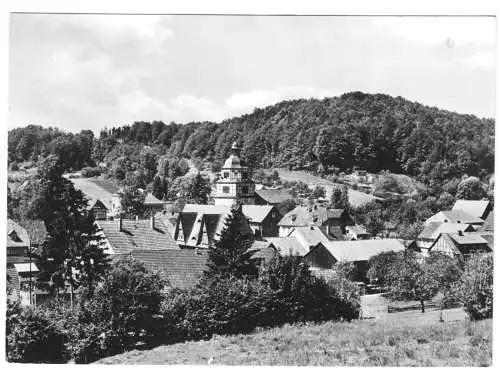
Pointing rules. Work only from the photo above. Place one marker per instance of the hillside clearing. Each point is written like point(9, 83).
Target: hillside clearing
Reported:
point(356, 198)
point(359, 343)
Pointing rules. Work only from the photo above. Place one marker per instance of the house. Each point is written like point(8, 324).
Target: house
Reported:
point(98, 209)
point(316, 256)
point(461, 244)
point(272, 196)
point(199, 226)
point(359, 252)
point(476, 208)
point(36, 231)
point(455, 216)
point(18, 243)
point(21, 271)
point(152, 203)
point(331, 221)
point(432, 231)
point(150, 242)
point(263, 219)
point(356, 232)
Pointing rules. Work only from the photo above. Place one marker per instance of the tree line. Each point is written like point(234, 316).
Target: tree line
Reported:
point(356, 130)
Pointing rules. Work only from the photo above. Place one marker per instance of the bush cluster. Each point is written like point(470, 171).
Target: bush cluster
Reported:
point(284, 292)
point(475, 289)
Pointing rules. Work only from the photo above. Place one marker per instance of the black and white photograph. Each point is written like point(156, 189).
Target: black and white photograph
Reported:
point(250, 189)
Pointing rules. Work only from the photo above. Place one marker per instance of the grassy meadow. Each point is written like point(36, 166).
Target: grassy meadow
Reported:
point(397, 342)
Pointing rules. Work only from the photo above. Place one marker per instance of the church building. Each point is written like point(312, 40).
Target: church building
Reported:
point(235, 183)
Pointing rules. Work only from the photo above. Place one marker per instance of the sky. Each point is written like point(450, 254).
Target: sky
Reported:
point(94, 71)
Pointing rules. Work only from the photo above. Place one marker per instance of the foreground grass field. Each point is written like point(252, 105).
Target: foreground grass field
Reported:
point(360, 343)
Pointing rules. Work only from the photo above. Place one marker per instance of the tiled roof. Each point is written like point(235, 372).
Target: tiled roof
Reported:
point(258, 244)
point(256, 213)
point(476, 208)
point(455, 216)
point(305, 216)
point(309, 236)
point(169, 220)
point(36, 230)
point(489, 223)
point(274, 196)
point(264, 253)
point(434, 229)
point(182, 268)
point(137, 235)
point(362, 250)
point(17, 236)
point(288, 246)
point(468, 239)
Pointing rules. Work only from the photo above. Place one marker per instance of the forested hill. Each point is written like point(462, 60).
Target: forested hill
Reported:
point(372, 132)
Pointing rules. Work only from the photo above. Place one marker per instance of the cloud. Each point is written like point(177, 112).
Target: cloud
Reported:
point(245, 101)
point(434, 31)
point(481, 60)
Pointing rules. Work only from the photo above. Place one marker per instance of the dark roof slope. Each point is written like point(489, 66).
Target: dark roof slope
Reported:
point(306, 216)
point(137, 235)
point(274, 196)
point(489, 223)
point(181, 268)
point(36, 230)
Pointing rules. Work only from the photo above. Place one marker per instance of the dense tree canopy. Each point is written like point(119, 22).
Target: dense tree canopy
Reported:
point(372, 132)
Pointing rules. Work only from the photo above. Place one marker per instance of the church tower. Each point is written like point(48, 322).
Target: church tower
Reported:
point(235, 183)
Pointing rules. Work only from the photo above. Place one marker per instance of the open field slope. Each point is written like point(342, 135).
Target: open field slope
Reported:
point(360, 343)
point(93, 191)
point(356, 198)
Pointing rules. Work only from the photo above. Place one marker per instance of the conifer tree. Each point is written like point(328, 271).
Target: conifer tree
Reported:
point(71, 251)
point(229, 256)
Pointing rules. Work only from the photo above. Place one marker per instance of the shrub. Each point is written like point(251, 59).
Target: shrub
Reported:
point(300, 296)
point(124, 306)
point(228, 306)
point(33, 338)
point(475, 289)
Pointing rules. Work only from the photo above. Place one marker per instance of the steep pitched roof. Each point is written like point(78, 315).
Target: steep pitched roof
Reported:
point(289, 246)
point(96, 203)
point(36, 230)
point(455, 216)
point(306, 216)
point(137, 235)
point(362, 250)
point(169, 220)
point(274, 196)
point(182, 268)
point(256, 213)
point(17, 236)
point(309, 236)
point(434, 229)
point(152, 200)
point(476, 208)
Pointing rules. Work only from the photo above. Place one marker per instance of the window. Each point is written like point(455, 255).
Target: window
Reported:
point(244, 190)
point(244, 175)
point(225, 189)
point(226, 175)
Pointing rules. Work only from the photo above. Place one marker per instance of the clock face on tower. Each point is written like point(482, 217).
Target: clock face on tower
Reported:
point(235, 183)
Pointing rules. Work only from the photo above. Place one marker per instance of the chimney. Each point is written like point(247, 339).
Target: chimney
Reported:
point(460, 233)
point(120, 223)
point(152, 222)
